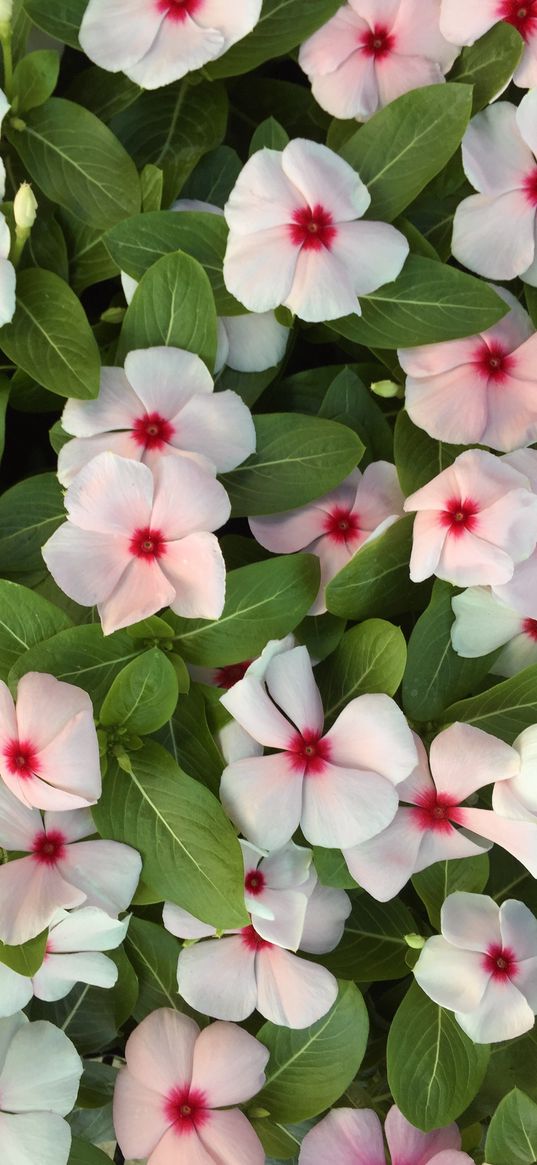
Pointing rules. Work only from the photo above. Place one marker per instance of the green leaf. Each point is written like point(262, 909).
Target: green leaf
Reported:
point(279, 29)
point(89, 260)
point(34, 79)
point(369, 658)
point(435, 675)
point(25, 619)
point(264, 600)
point(29, 513)
point(489, 64)
point(434, 1069)
point(377, 581)
point(275, 1139)
point(82, 656)
point(347, 400)
point(77, 162)
point(104, 94)
point(320, 634)
point(190, 740)
point(138, 242)
point(143, 696)
point(419, 457)
point(153, 952)
point(309, 1069)
point(406, 144)
point(512, 1133)
point(27, 958)
point(61, 20)
point(214, 176)
point(151, 182)
point(332, 869)
point(189, 849)
point(434, 884)
point(373, 944)
point(504, 710)
point(5, 388)
point(428, 303)
point(89, 1016)
point(96, 1084)
point(297, 458)
point(46, 248)
point(50, 337)
point(172, 305)
point(82, 1153)
point(269, 135)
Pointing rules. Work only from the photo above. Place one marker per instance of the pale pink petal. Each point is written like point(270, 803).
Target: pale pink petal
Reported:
point(482, 623)
point(284, 923)
point(417, 30)
point(323, 288)
point(525, 74)
point(289, 679)
point(219, 1046)
point(373, 253)
point(259, 268)
point(471, 561)
point(8, 720)
point(183, 924)
point(34, 1136)
point(512, 522)
point(429, 360)
point(400, 72)
point(116, 407)
point(492, 476)
point(47, 706)
point(510, 799)
point(521, 590)
point(33, 791)
point(166, 1150)
point(139, 1116)
point(291, 991)
point(18, 823)
point(160, 1050)
point(519, 929)
point(369, 9)
point(379, 495)
point(204, 502)
point(249, 703)
point(519, 838)
point(448, 846)
point(512, 414)
point(323, 177)
point(326, 912)
point(196, 569)
point(333, 557)
point(496, 159)
point(233, 22)
point(494, 234)
point(107, 872)
point(164, 379)
point(111, 495)
point(526, 981)
point(428, 542)
point(405, 1141)
point(74, 824)
point(75, 454)
point(30, 894)
point(230, 1139)
point(464, 759)
point(263, 797)
point(288, 867)
point(452, 977)
point(451, 406)
point(88, 929)
point(178, 48)
point(142, 590)
point(525, 120)
point(217, 977)
point(70, 762)
point(372, 733)
point(471, 921)
point(351, 90)
point(346, 1136)
point(254, 342)
point(86, 565)
point(332, 43)
point(520, 653)
point(383, 865)
point(293, 530)
point(219, 426)
point(42, 1070)
point(343, 806)
point(263, 197)
point(502, 1014)
point(15, 992)
point(60, 973)
point(117, 34)
point(464, 24)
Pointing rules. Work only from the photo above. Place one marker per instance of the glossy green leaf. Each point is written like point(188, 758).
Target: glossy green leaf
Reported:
point(34, 79)
point(512, 1133)
point(29, 513)
point(173, 305)
point(27, 958)
point(153, 952)
point(369, 658)
point(269, 135)
point(280, 28)
point(61, 19)
point(82, 1153)
point(25, 619)
point(489, 64)
point(143, 696)
point(82, 656)
point(435, 883)
point(504, 710)
point(373, 946)
point(377, 581)
point(89, 1016)
point(419, 457)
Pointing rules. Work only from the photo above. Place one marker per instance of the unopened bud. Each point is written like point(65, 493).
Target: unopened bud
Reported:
point(386, 388)
point(25, 206)
point(6, 9)
point(415, 941)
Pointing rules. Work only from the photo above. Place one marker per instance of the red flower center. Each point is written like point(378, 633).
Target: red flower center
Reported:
point(152, 431)
point(21, 758)
point(493, 362)
point(255, 882)
point(378, 42)
point(501, 962)
point(178, 10)
point(252, 940)
point(529, 185)
point(341, 525)
point(459, 516)
point(434, 811)
point(521, 13)
point(225, 677)
point(147, 544)
point(308, 752)
point(529, 627)
point(186, 1108)
point(312, 228)
point(49, 848)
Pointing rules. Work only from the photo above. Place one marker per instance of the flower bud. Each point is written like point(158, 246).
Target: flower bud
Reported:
point(24, 206)
point(6, 12)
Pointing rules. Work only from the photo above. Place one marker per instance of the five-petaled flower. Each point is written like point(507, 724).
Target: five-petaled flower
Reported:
point(353, 1136)
point(463, 24)
point(483, 624)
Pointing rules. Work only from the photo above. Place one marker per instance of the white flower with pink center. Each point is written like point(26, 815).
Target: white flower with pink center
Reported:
point(138, 540)
point(339, 786)
point(517, 797)
point(335, 526)
point(495, 230)
point(60, 869)
point(373, 51)
point(174, 1100)
point(483, 966)
point(7, 270)
point(34, 1099)
point(49, 753)
point(162, 403)
point(433, 823)
point(474, 522)
point(294, 238)
point(254, 968)
point(351, 1136)
point(156, 42)
point(463, 24)
point(483, 624)
point(481, 390)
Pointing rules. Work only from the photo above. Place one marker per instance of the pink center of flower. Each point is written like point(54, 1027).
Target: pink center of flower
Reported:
point(252, 940)
point(21, 758)
point(178, 10)
point(255, 882)
point(521, 13)
point(529, 186)
point(308, 752)
point(186, 1108)
point(378, 42)
point(434, 811)
point(49, 848)
point(225, 677)
point(147, 544)
point(529, 627)
point(493, 362)
point(312, 228)
point(459, 516)
point(152, 431)
point(501, 962)
point(341, 525)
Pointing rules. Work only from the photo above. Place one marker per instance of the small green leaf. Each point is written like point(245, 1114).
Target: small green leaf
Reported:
point(504, 710)
point(512, 1133)
point(435, 883)
point(25, 619)
point(489, 64)
point(269, 135)
point(373, 944)
point(377, 580)
point(173, 305)
point(29, 513)
point(419, 457)
point(153, 952)
point(369, 658)
point(34, 79)
point(27, 958)
point(61, 20)
point(143, 696)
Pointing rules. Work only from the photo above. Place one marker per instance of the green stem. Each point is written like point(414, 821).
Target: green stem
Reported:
point(8, 65)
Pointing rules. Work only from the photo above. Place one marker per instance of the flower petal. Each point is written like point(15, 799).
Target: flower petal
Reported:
point(263, 797)
point(290, 681)
point(471, 921)
point(160, 1050)
point(218, 1046)
point(464, 759)
point(502, 1014)
point(372, 733)
point(346, 1136)
point(343, 806)
point(217, 977)
point(404, 1140)
point(452, 977)
point(42, 1070)
point(291, 991)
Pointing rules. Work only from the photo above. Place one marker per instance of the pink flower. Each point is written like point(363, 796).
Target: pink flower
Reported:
point(350, 1136)
point(481, 390)
point(163, 403)
point(483, 624)
point(517, 797)
point(294, 239)
point(372, 51)
point(474, 522)
point(338, 786)
point(228, 977)
point(136, 540)
point(463, 759)
point(494, 231)
point(484, 966)
point(464, 23)
point(335, 526)
point(167, 1100)
point(40, 1073)
point(49, 753)
point(156, 42)
point(60, 870)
